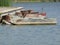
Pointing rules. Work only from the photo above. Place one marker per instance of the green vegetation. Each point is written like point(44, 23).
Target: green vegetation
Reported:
point(9, 2)
point(5, 2)
point(37, 0)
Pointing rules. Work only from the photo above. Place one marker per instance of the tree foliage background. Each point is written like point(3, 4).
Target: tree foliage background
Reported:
point(5, 2)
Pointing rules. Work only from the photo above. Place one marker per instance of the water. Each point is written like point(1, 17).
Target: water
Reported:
point(33, 34)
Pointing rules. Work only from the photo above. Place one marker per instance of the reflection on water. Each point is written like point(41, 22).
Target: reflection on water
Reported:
point(33, 34)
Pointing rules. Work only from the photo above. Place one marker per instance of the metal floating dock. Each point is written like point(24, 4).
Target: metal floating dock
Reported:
point(7, 10)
